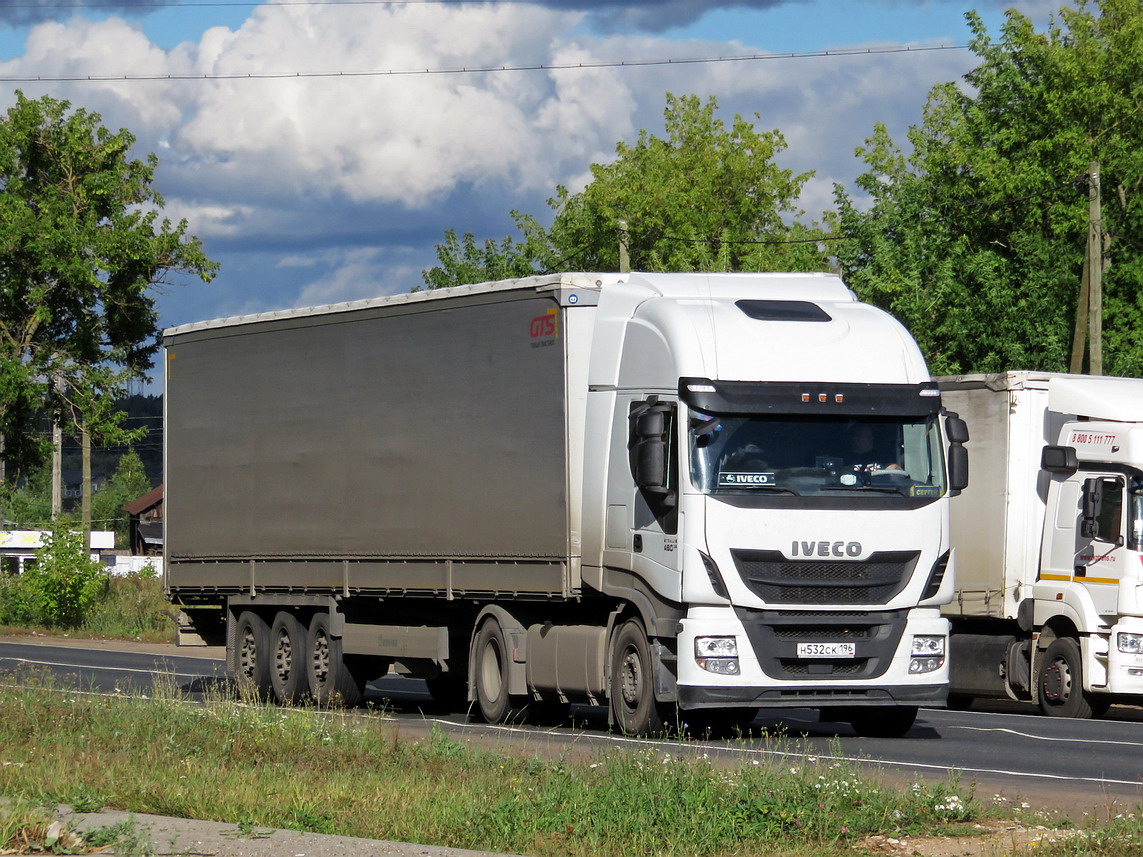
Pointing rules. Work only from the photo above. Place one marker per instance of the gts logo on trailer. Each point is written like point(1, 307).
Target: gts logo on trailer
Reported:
point(842, 549)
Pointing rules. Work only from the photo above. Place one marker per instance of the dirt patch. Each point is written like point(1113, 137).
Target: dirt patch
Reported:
point(991, 839)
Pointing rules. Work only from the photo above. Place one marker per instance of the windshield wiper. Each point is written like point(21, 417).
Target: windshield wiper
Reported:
point(773, 489)
point(883, 489)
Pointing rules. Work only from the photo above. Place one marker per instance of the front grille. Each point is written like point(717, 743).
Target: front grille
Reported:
point(822, 633)
point(822, 669)
point(778, 580)
point(775, 634)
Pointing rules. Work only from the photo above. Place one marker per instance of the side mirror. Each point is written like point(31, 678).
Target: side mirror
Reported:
point(648, 445)
point(1059, 459)
point(956, 429)
point(1092, 505)
point(958, 467)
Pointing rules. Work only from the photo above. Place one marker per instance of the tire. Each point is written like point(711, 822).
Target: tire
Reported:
point(329, 674)
point(491, 674)
point(288, 658)
point(252, 641)
point(1059, 683)
point(634, 709)
point(882, 722)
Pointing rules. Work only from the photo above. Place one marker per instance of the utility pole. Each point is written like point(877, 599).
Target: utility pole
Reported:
point(1094, 272)
point(1079, 339)
point(624, 259)
point(57, 469)
point(85, 493)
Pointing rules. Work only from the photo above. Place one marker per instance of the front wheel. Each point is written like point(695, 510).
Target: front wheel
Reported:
point(1059, 685)
point(634, 709)
point(492, 664)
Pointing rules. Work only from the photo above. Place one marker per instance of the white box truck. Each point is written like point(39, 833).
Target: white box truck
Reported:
point(706, 492)
point(1049, 536)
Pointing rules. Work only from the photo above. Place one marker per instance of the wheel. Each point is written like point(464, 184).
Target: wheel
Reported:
point(329, 673)
point(252, 638)
point(492, 659)
point(882, 722)
point(1059, 685)
point(288, 658)
point(634, 709)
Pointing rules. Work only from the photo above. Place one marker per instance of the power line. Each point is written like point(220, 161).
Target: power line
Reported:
point(602, 64)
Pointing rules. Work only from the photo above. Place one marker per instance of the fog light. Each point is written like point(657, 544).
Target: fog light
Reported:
point(717, 654)
point(924, 665)
point(1129, 644)
point(722, 666)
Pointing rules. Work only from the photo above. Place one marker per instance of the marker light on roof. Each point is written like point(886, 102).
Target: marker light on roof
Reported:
point(701, 388)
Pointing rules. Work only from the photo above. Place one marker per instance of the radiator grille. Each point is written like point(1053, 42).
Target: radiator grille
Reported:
point(778, 580)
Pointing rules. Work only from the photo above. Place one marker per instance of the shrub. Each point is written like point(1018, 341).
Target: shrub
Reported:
point(63, 584)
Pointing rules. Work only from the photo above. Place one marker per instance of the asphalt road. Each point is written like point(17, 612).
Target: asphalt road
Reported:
point(1070, 766)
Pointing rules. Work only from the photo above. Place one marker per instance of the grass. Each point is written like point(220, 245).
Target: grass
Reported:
point(351, 774)
point(133, 607)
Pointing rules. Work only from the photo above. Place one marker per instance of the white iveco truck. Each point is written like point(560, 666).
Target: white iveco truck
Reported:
point(1049, 538)
point(712, 493)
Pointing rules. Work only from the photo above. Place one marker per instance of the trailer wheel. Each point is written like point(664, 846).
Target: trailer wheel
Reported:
point(634, 709)
point(329, 673)
point(288, 658)
point(253, 644)
point(492, 657)
point(1059, 686)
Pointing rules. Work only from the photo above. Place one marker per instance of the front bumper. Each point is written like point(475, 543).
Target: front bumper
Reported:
point(771, 673)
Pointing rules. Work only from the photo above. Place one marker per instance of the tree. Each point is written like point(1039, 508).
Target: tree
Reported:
point(976, 238)
point(81, 246)
point(704, 197)
point(129, 482)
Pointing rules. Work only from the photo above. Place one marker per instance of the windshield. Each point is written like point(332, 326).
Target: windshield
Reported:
point(782, 454)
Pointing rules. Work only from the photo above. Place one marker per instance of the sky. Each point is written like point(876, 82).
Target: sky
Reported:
point(320, 148)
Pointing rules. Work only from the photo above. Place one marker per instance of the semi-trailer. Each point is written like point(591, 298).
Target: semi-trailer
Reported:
point(682, 496)
point(1049, 538)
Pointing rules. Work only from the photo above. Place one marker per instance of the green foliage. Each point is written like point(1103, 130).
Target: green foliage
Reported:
point(27, 503)
point(704, 197)
point(353, 776)
point(59, 589)
point(81, 244)
point(129, 482)
point(133, 607)
point(976, 239)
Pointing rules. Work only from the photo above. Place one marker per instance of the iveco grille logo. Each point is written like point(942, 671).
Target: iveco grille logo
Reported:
point(843, 549)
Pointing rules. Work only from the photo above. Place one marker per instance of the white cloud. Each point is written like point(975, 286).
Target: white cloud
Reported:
point(347, 181)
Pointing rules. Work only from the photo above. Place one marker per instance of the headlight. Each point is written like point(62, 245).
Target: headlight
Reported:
point(928, 645)
point(717, 655)
point(1129, 644)
point(716, 647)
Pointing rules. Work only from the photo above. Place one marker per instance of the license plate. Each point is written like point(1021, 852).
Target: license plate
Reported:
point(827, 650)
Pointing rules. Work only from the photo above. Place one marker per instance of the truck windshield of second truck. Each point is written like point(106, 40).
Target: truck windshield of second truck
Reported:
point(779, 454)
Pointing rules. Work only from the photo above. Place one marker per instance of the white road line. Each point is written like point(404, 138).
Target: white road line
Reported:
point(1048, 737)
point(96, 667)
